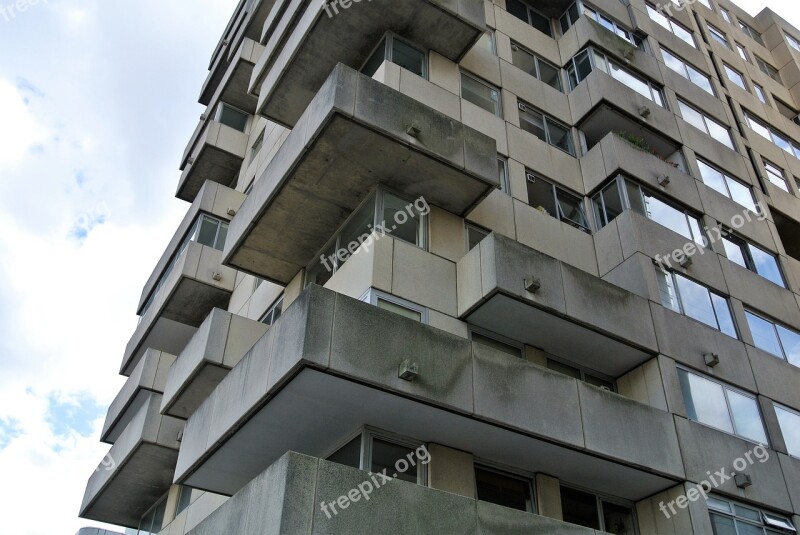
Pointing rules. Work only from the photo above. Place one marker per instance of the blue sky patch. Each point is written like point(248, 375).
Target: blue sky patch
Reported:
point(73, 414)
point(9, 430)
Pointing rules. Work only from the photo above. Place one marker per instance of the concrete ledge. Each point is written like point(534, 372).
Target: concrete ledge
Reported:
point(148, 376)
point(137, 470)
point(189, 293)
point(218, 345)
point(329, 366)
point(286, 498)
point(573, 314)
point(216, 155)
point(229, 81)
point(353, 136)
point(311, 43)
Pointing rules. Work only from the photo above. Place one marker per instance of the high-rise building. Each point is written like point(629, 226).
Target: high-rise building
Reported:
point(463, 266)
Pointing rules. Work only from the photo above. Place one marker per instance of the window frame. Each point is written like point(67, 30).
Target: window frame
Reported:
point(751, 32)
point(746, 250)
point(585, 9)
point(706, 119)
point(600, 498)
point(730, 70)
point(671, 24)
point(498, 112)
point(726, 179)
point(679, 300)
point(726, 387)
point(273, 312)
point(532, 177)
point(468, 226)
point(502, 174)
point(387, 40)
point(784, 356)
point(730, 512)
point(768, 69)
point(373, 295)
point(795, 449)
point(529, 22)
point(657, 95)
point(537, 60)
point(524, 107)
point(218, 117)
point(528, 479)
point(499, 338)
point(718, 35)
point(688, 70)
point(776, 175)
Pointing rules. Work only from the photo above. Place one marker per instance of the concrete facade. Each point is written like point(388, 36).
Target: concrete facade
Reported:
point(540, 260)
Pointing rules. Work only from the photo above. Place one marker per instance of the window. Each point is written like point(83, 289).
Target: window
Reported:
point(692, 74)
point(760, 94)
point(684, 296)
point(536, 66)
point(735, 76)
point(774, 338)
point(786, 110)
point(581, 65)
point(593, 511)
point(775, 175)
point(556, 202)
point(742, 53)
point(497, 342)
point(721, 407)
point(728, 186)
point(383, 213)
point(527, 14)
point(672, 26)
point(504, 489)
point(502, 175)
point(274, 312)
point(663, 212)
point(392, 48)
point(717, 35)
point(753, 258)
point(184, 499)
point(725, 15)
point(152, 521)
point(706, 124)
point(773, 135)
point(754, 35)
point(257, 144)
point(581, 374)
point(608, 204)
point(384, 453)
point(475, 235)
point(769, 70)
point(794, 43)
point(482, 94)
point(546, 128)
point(789, 422)
point(400, 306)
point(230, 116)
point(576, 10)
point(729, 518)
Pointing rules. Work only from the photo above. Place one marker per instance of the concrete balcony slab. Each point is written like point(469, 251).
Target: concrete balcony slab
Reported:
point(308, 43)
point(356, 134)
point(137, 470)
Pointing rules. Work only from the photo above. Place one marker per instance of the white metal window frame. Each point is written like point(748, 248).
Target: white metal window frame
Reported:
point(373, 295)
point(768, 520)
point(602, 497)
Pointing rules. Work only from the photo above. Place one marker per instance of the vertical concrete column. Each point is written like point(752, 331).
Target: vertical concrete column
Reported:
point(548, 496)
point(294, 289)
point(172, 503)
point(451, 470)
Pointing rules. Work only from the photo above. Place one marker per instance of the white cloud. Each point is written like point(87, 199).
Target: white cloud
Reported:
point(98, 101)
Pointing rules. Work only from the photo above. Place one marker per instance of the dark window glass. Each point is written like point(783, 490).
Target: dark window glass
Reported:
point(503, 490)
point(580, 508)
point(349, 454)
point(385, 456)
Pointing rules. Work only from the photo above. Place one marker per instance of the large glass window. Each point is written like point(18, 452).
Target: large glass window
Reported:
point(727, 185)
point(580, 8)
point(780, 140)
point(383, 213)
point(274, 312)
point(595, 512)
point(730, 518)
point(789, 422)
point(152, 522)
point(502, 488)
point(706, 124)
point(794, 43)
point(581, 65)
point(382, 453)
point(774, 338)
point(536, 66)
point(722, 407)
point(735, 76)
point(694, 300)
point(689, 72)
point(556, 202)
point(717, 35)
point(230, 116)
point(752, 33)
point(776, 176)
point(523, 11)
point(769, 70)
point(546, 128)
point(753, 258)
point(680, 31)
point(399, 52)
point(481, 93)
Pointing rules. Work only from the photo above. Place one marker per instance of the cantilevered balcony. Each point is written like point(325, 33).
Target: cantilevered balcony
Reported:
point(215, 152)
point(356, 134)
point(230, 84)
point(217, 346)
point(286, 497)
point(310, 39)
point(137, 470)
point(150, 375)
point(329, 365)
point(186, 272)
point(527, 296)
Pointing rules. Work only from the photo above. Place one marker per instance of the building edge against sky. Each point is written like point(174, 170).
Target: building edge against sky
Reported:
point(484, 266)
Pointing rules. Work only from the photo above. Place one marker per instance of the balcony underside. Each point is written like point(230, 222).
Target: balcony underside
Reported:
point(353, 137)
point(212, 163)
point(296, 69)
point(315, 410)
point(231, 86)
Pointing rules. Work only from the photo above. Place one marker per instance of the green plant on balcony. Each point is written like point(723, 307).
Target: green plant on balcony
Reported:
point(641, 143)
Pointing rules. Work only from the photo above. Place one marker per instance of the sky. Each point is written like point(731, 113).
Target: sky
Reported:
point(98, 99)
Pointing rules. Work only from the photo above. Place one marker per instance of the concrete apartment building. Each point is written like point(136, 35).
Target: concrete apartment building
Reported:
point(474, 266)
